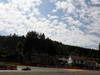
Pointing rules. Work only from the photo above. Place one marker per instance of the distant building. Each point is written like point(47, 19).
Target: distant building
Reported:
point(62, 61)
point(77, 61)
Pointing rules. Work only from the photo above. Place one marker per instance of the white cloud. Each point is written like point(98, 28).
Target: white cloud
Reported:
point(71, 21)
point(89, 18)
point(94, 15)
point(13, 15)
point(65, 5)
point(61, 5)
point(52, 17)
point(73, 36)
point(52, 0)
point(21, 16)
point(54, 10)
point(95, 1)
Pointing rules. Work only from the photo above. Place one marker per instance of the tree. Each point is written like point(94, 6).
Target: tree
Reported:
point(32, 35)
point(20, 50)
point(99, 46)
point(37, 44)
point(3, 52)
point(42, 36)
point(99, 52)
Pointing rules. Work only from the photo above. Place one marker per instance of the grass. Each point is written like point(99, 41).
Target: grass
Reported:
point(52, 73)
point(32, 73)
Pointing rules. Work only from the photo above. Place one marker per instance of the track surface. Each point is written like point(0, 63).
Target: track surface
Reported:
point(50, 71)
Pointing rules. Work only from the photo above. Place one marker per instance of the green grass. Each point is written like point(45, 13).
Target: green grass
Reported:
point(32, 73)
point(50, 73)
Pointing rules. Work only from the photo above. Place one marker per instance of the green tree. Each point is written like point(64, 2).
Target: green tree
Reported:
point(20, 50)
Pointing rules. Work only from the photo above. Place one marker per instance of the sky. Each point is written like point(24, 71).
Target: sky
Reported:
point(72, 22)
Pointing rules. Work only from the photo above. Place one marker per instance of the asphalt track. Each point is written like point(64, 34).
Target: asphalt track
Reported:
point(50, 71)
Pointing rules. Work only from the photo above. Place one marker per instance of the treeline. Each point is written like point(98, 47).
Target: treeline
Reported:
point(22, 48)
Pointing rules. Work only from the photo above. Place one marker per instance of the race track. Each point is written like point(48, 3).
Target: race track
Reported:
point(49, 71)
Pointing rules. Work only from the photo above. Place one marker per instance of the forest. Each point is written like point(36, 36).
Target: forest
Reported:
point(22, 49)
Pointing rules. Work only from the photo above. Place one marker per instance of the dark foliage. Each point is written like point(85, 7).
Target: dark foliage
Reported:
point(23, 48)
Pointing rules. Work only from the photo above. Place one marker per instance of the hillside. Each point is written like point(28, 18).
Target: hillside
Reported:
point(22, 49)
